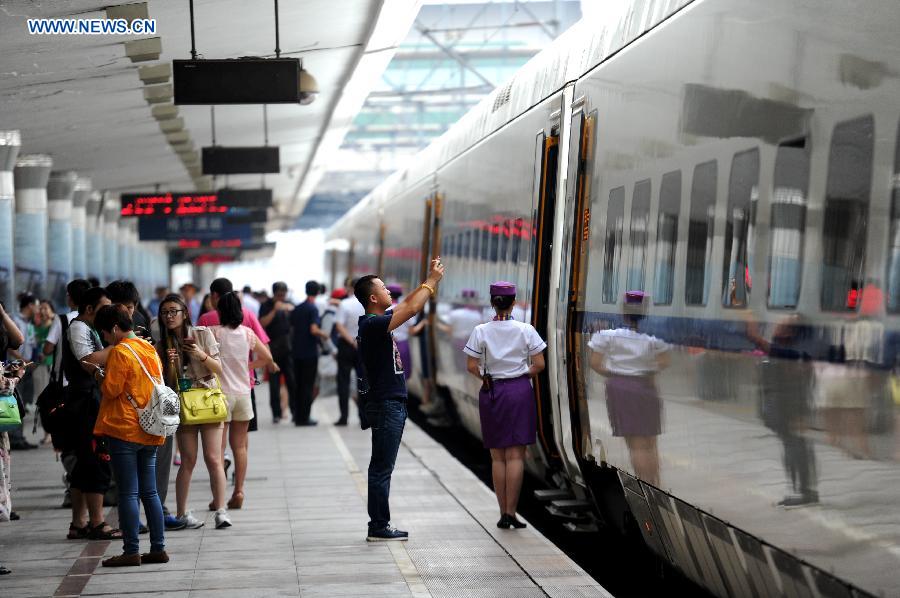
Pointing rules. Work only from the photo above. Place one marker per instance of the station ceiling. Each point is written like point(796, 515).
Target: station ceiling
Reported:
point(79, 98)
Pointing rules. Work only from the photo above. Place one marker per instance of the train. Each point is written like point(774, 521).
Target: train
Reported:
point(739, 162)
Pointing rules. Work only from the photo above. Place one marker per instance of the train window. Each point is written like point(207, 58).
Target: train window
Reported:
point(495, 234)
point(700, 234)
point(788, 223)
point(846, 213)
point(504, 240)
point(667, 237)
point(466, 243)
point(740, 229)
point(615, 222)
point(516, 239)
point(640, 222)
point(485, 243)
point(893, 277)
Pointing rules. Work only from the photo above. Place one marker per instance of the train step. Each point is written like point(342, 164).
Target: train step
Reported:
point(581, 528)
point(572, 505)
point(551, 494)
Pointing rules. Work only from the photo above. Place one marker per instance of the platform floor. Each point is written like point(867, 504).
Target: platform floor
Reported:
point(301, 531)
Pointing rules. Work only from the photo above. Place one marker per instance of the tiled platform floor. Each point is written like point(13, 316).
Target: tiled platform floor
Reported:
point(301, 531)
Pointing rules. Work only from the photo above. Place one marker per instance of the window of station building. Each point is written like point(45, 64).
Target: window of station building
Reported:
point(700, 234)
point(740, 229)
point(788, 223)
point(846, 213)
point(639, 230)
point(612, 244)
point(893, 276)
point(667, 237)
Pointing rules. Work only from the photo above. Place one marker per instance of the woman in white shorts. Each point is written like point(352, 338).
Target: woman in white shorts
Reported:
point(236, 342)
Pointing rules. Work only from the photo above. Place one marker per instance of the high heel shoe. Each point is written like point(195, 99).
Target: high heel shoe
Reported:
point(504, 522)
point(236, 501)
point(511, 520)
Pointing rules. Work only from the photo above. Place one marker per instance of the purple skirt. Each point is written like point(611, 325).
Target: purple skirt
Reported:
point(405, 358)
point(633, 405)
point(508, 413)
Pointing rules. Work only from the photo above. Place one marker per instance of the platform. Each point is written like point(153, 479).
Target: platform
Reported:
point(301, 531)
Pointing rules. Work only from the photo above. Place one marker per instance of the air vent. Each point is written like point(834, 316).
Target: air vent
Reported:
point(502, 97)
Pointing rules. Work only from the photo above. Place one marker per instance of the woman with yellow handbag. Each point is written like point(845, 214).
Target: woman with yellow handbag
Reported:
point(190, 355)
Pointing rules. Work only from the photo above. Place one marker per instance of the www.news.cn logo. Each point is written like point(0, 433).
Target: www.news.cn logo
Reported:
point(91, 26)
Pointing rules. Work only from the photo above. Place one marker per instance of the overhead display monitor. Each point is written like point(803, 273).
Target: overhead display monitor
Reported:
point(237, 81)
point(193, 204)
point(240, 160)
point(202, 228)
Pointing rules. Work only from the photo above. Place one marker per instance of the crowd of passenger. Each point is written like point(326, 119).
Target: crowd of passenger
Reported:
point(123, 391)
point(91, 378)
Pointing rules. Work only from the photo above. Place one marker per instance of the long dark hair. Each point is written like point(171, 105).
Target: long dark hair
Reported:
point(166, 338)
point(230, 310)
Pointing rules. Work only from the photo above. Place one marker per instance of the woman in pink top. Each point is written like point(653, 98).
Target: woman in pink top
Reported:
point(235, 344)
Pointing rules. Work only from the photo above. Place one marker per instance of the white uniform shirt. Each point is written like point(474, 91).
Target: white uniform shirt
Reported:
point(250, 303)
point(627, 352)
point(348, 315)
point(463, 321)
point(508, 344)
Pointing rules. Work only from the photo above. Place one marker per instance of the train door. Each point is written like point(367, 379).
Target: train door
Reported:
point(546, 165)
point(573, 230)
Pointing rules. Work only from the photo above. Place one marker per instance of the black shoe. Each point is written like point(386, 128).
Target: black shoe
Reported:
point(309, 422)
point(511, 519)
point(22, 446)
point(799, 500)
point(504, 522)
point(341, 422)
point(13, 516)
point(4, 570)
point(143, 529)
point(276, 420)
point(387, 534)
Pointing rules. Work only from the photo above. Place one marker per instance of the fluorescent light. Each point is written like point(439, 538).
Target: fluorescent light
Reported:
point(172, 125)
point(155, 73)
point(164, 111)
point(157, 94)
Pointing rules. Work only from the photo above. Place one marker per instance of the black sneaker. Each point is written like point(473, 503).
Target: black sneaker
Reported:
point(387, 534)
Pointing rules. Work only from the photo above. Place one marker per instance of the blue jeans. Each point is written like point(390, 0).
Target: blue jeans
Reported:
point(134, 466)
point(388, 417)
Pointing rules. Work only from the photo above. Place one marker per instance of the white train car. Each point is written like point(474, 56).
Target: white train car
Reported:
point(739, 162)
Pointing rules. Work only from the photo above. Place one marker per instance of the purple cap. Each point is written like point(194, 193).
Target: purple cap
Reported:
point(632, 297)
point(503, 289)
point(468, 293)
point(395, 289)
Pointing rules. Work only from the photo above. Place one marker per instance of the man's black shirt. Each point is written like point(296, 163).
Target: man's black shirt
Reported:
point(380, 358)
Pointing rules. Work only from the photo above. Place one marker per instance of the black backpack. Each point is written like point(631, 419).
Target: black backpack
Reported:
point(54, 406)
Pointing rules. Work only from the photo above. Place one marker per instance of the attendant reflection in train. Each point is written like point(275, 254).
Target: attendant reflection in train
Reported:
point(629, 360)
point(404, 331)
point(460, 323)
point(786, 381)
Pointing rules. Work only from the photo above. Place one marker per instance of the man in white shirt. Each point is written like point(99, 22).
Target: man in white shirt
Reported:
point(249, 300)
point(347, 325)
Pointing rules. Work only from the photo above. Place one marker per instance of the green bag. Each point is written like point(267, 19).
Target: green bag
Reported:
point(10, 419)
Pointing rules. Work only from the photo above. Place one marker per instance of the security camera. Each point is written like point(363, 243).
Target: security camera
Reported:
point(309, 88)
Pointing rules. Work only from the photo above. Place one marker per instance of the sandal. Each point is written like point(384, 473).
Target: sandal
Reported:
point(236, 501)
point(104, 532)
point(77, 533)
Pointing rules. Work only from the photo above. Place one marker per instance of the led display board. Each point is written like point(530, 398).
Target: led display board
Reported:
point(193, 204)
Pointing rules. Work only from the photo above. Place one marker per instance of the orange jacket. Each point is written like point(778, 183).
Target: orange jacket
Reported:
point(124, 377)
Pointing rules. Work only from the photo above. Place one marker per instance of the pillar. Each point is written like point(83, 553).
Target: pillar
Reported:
point(30, 229)
point(94, 241)
point(79, 224)
point(60, 190)
point(10, 142)
point(111, 270)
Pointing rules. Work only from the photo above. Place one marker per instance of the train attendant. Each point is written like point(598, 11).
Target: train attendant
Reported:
point(629, 360)
point(404, 331)
point(504, 353)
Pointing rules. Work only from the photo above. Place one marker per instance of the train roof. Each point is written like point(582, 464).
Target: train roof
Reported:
point(584, 46)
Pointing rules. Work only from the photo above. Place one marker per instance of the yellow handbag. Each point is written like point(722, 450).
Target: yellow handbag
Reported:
point(203, 406)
